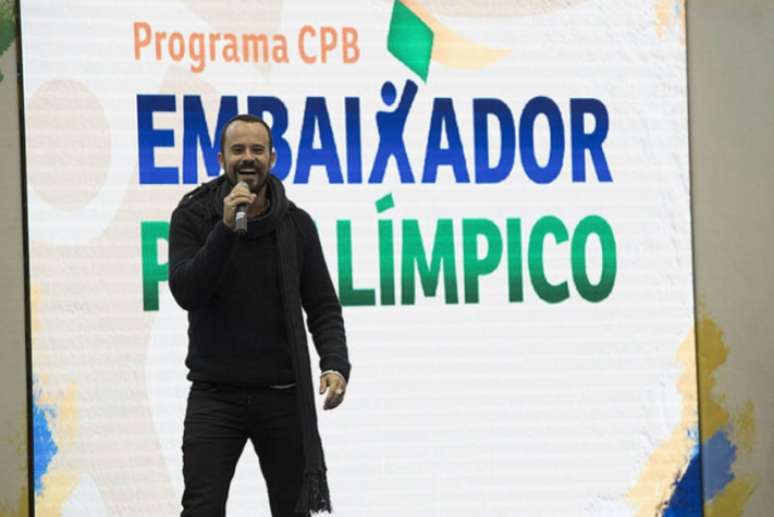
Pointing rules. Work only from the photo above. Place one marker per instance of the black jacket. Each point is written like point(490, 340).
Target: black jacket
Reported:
point(228, 284)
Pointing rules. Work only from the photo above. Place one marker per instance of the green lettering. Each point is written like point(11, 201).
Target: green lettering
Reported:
point(597, 225)
point(474, 266)
point(552, 293)
point(442, 258)
point(515, 280)
point(349, 295)
point(386, 263)
point(153, 272)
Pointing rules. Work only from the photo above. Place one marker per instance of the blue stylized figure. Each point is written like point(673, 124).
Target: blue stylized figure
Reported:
point(391, 125)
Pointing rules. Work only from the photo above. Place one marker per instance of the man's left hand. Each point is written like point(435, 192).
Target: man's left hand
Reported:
point(336, 387)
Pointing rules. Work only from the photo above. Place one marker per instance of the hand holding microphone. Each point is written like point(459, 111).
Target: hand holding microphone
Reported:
point(235, 206)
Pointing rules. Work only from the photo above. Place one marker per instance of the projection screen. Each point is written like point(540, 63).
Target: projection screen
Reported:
point(502, 193)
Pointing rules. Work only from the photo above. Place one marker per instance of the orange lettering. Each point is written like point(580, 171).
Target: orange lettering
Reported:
point(250, 49)
point(214, 37)
point(160, 37)
point(230, 51)
point(306, 29)
point(176, 46)
point(327, 42)
point(279, 49)
point(349, 35)
point(142, 37)
point(196, 50)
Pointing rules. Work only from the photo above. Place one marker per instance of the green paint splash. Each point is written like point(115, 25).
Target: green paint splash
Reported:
point(410, 40)
point(7, 28)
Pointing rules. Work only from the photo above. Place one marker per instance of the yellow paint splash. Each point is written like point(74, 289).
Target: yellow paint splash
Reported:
point(65, 427)
point(732, 500)
point(60, 479)
point(712, 354)
point(745, 431)
point(742, 432)
point(451, 49)
point(57, 488)
point(498, 8)
point(668, 14)
point(672, 456)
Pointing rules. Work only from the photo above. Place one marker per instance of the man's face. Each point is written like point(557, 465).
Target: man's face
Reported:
point(247, 155)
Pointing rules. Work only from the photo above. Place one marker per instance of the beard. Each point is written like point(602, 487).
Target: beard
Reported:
point(252, 173)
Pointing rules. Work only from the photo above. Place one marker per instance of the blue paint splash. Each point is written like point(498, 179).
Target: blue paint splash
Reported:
point(43, 444)
point(720, 455)
point(686, 499)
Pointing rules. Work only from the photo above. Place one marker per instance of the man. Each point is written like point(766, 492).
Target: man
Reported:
point(247, 355)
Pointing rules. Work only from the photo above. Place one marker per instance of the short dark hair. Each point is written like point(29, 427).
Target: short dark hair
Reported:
point(245, 117)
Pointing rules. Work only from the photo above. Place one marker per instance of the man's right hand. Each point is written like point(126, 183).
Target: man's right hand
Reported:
point(239, 195)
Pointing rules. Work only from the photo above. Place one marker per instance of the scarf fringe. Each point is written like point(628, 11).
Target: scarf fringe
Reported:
point(315, 496)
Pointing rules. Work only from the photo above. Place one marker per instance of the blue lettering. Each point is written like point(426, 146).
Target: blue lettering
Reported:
point(541, 106)
point(354, 160)
point(149, 138)
point(316, 115)
point(196, 136)
point(493, 162)
point(391, 125)
point(257, 105)
point(591, 141)
point(482, 108)
point(435, 155)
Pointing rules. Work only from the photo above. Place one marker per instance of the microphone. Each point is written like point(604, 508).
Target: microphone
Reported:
point(240, 218)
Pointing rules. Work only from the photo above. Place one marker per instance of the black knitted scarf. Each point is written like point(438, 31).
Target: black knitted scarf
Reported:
point(314, 496)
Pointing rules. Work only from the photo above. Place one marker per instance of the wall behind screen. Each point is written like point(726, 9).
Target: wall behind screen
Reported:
point(13, 398)
point(732, 123)
point(731, 86)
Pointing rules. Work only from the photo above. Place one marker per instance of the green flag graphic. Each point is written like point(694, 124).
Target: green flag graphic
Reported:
point(410, 40)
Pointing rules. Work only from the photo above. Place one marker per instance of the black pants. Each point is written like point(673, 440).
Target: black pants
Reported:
point(218, 422)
